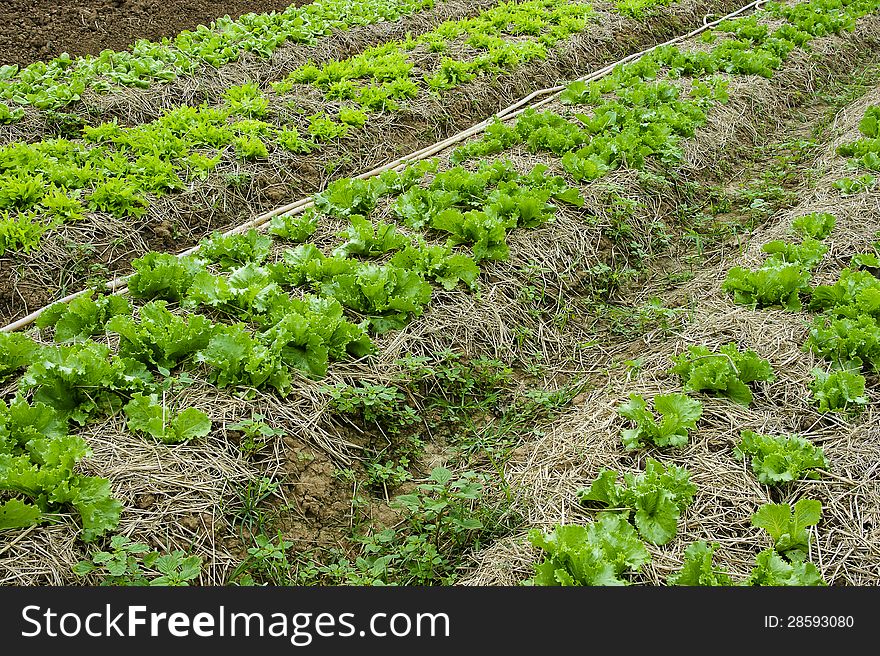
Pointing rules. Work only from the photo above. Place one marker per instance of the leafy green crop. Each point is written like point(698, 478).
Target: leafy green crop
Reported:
point(639, 8)
point(323, 128)
point(163, 275)
point(64, 207)
point(771, 569)
point(678, 416)
point(20, 232)
point(354, 117)
point(247, 292)
point(780, 458)
point(246, 100)
point(596, 554)
point(869, 123)
point(846, 342)
point(862, 154)
point(250, 148)
point(838, 391)
point(418, 206)
point(119, 169)
point(387, 295)
point(20, 192)
point(856, 293)
point(633, 118)
point(642, 120)
point(120, 198)
point(727, 372)
point(865, 261)
point(850, 186)
point(698, 568)
point(486, 233)
point(647, 118)
point(237, 358)
point(439, 263)
point(18, 514)
point(808, 253)
point(64, 79)
point(295, 227)
point(146, 415)
point(310, 332)
point(369, 239)
point(300, 333)
point(656, 497)
point(347, 196)
point(379, 77)
point(290, 140)
point(10, 115)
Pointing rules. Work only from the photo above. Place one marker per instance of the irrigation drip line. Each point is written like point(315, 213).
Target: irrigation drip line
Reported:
point(119, 286)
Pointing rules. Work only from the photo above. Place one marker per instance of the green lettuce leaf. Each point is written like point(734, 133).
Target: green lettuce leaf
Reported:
point(17, 514)
point(768, 286)
point(146, 415)
point(726, 372)
point(369, 239)
point(237, 358)
point(654, 499)
point(236, 249)
point(787, 525)
point(594, 555)
point(82, 317)
point(771, 569)
point(162, 275)
point(780, 458)
point(838, 391)
point(17, 351)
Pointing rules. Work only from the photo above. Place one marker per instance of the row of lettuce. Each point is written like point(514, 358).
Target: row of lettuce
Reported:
point(120, 170)
point(376, 79)
point(256, 316)
point(62, 81)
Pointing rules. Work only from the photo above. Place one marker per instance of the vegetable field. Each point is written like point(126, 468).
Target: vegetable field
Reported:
point(278, 316)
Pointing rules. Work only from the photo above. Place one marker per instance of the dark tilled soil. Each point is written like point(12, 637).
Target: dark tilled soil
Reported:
point(32, 30)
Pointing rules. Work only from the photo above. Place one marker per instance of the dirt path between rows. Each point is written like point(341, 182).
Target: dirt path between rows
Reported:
point(32, 30)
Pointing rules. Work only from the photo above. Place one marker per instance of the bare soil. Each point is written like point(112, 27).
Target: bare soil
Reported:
point(32, 30)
